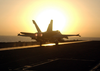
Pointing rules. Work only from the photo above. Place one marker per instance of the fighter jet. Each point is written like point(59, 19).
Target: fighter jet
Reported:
point(48, 36)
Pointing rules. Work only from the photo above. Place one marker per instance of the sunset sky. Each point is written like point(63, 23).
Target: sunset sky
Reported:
point(69, 16)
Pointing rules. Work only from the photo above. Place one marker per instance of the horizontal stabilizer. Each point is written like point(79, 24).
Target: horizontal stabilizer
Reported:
point(27, 33)
point(65, 36)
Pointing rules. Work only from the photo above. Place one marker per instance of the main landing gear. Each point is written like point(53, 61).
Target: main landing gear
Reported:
point(56, 43)
point(40, 44)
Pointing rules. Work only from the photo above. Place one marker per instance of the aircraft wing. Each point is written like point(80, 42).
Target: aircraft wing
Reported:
point(32, 35)
point(66, 36)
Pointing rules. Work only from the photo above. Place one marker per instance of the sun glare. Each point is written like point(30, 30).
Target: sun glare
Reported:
point(59, 20)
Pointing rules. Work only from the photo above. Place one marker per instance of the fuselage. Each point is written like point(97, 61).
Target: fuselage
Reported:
point(47, 36)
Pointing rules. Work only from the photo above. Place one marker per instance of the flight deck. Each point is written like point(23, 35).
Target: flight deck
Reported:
point(83, 56)
point(32, 46)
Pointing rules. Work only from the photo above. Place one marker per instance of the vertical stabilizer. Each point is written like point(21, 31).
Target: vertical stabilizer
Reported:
point(49, 29)
point(38, 29)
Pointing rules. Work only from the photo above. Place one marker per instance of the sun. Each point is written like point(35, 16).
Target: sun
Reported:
point(59, 19)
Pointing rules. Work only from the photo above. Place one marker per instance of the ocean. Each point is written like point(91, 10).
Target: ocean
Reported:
point(28, 39)
point(15, 39)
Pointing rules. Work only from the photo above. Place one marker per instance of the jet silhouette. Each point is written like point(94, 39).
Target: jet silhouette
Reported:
point(48, 36)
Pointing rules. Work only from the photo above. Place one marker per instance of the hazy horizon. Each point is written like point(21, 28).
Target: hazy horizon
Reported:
point(69, 37)
point(28, 39)
point(69, 16)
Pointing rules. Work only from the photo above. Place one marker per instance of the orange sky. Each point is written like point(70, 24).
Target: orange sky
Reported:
point(69, 16)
